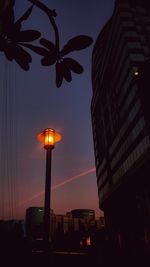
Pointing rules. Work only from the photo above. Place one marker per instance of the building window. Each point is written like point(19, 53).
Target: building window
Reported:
point(125, 126)
point(102, 179)
point(132, 158)
point(129, 140)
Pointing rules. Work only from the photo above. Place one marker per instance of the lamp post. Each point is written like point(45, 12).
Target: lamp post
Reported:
point(48, 137)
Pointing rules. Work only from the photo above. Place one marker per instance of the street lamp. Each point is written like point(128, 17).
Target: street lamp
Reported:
point(48, 137)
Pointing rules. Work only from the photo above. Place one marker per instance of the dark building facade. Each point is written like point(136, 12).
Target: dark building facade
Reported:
point(120, 111)
point(83, 214)
point(34, 222)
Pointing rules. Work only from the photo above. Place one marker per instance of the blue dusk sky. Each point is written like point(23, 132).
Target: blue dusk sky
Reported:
point(40, 104)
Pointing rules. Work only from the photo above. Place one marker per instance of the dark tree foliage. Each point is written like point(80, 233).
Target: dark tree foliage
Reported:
point(13, 40)
point(12, 36)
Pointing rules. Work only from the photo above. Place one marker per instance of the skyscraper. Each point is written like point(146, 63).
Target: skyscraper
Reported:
point(120, 111)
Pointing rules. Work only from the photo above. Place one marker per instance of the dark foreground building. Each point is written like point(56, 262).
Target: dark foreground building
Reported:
point(120, 111)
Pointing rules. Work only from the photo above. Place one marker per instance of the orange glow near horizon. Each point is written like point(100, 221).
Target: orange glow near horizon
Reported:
point(69, 180)
point(73, 178)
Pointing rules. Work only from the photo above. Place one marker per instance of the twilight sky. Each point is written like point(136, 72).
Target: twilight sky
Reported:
point(40, 104)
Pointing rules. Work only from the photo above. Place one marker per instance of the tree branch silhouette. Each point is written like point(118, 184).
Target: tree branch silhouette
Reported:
point(52, 53)
point(13, 39)
point(50, 13)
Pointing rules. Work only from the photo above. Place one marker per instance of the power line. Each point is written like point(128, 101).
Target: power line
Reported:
point(8, 145)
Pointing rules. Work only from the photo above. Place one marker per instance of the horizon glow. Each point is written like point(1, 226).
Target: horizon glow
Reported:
point(68, 180)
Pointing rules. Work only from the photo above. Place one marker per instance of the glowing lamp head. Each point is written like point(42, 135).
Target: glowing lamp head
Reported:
point(49, 137)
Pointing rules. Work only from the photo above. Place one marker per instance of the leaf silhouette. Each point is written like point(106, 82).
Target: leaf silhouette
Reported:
point(37, 49)
point(77, 43)
point(73, 65)
point(49, 60)
point(24, 17)
point(48, 44)
point(59, 74)
point(7, 17)
point(26, 14)
point(27, 36)
point(12, 38)
point(66, 71)
point(9, 53)
point(22, 57)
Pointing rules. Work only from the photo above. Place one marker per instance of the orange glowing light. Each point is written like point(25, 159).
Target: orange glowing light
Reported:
point(88, 241)
point(49, 137)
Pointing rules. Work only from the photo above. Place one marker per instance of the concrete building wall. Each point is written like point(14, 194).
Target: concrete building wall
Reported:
point(121, 125)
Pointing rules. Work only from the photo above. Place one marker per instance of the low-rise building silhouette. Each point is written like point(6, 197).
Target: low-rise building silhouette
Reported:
point(66, 231)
